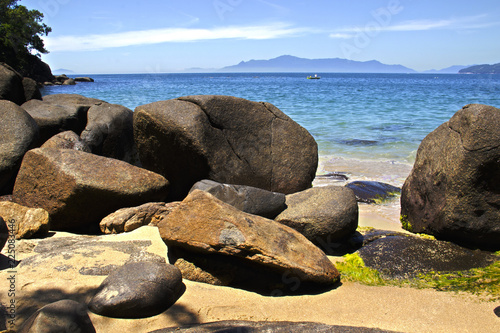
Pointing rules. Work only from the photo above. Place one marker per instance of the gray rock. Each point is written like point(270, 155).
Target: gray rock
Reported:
point(62, 316)
point(241, 326)
point(227, 139)
point(66, 140)
point(402, 256)
point(131, 218)
point(373, 192)
point(248, 199)
point(138, 290)
point(110, 132)
point(79, 189)
point(11, 85)
point(452, 191)
point(325, 215)
point(31, 90)
point(18, 134)
point(59, 113)
point(69, 82)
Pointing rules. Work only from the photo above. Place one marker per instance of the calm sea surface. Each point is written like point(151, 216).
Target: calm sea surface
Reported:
point(355, 116)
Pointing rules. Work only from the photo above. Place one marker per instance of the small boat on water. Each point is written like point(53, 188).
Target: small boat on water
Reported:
point(315, 77)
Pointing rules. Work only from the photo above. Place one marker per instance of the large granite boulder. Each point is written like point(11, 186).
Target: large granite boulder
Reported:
point(78, 189)
point(251, 200)
point(227, 139)
point(11, 85)
point(218, 232)
point(110, 132)
point(59, 113)
point(61, 316)
point(28, 222)
point(131, 218)
point(138, 290)
point(453, 190)
point(18, 134)
point(66, 140)
point(324, 215)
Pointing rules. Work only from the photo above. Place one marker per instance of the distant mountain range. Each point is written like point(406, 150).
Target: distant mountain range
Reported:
point(481, 69)
point(287, 63)
point(447, 70)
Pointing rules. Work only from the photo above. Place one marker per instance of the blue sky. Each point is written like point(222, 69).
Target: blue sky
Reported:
point(155, 36)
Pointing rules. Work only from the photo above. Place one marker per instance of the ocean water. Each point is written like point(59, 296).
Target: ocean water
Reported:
point(376, 117)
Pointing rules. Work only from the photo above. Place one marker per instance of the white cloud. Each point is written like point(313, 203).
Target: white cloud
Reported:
point(156, 36)
point(464, 23)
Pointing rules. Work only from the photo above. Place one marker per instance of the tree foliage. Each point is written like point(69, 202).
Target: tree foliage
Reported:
point(20, 33)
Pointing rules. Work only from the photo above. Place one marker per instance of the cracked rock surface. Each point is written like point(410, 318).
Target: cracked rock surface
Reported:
point(453, 191)
point(226, 139)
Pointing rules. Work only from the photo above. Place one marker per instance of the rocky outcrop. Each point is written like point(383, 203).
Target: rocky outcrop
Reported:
point(28, 222)
point(79, 189)
point(373, 192)
point(453, 190)
point(11, 85)
point(61, 316)
point(128, 219)
point(225, 139)
point(138, 290)
point(66, 140)
point(59, 113)
point(218, 232)
point(18, 133)
point(324, 215)
point(84, 79)
point(110, 132)
point(251, 200)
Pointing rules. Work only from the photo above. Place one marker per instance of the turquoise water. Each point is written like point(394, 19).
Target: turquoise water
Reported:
point(361, 116)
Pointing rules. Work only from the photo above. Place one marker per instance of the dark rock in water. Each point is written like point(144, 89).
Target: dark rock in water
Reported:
point(84, 79)
point(402, 256)
point(227, 139)
point(79, 189)
point(66, 140)
point(248, 199)
point(61, 316)
point(373, 192)
point(11, 85)
point(240, 326)
point(138, 290)
point(18, 134)
point(4, 233)
point(110, 132)
point(359, 142)
point(210, 228)
point(453, 191)
point(334, 175)
point(324, 215)
point(31, 90)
